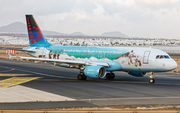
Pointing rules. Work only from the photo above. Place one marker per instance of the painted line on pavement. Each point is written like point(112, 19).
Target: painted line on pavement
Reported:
point(15, 81)
point(37, 73)
point(129, 98)
point(5, 71)
point(14, 75)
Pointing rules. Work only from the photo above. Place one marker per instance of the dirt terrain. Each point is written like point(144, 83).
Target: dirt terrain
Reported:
point(4, 55)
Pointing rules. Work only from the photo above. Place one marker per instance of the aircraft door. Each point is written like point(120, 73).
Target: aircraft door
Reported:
point(146, 57)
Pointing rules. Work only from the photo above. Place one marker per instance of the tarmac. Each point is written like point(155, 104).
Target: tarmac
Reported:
point(26, 85)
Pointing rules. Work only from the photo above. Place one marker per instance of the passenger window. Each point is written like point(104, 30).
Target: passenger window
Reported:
point(157, 57)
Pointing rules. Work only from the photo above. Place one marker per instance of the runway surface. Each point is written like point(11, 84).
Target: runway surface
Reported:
point(26, 85)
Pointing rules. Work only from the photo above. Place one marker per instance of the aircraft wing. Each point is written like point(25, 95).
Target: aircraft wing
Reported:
point(65, 61)
point(17, 49)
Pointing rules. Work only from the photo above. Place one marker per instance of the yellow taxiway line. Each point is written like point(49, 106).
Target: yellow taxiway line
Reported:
point(15, 81)
point(10, 75)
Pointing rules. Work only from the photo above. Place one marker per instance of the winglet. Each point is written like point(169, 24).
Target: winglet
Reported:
point(10, 56)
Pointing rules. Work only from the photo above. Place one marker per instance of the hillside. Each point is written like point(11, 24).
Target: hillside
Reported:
point(114, 34)
point(19, 27)
point(77, 33)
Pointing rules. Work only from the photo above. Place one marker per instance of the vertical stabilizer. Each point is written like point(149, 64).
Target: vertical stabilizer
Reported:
point(36, 38)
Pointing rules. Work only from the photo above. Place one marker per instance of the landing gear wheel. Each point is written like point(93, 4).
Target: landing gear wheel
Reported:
point(85, 77)
point(110, 75)
point(113, 76)
point(151, 80)
point(81, 77)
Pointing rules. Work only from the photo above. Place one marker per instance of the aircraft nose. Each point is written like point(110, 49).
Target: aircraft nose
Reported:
point(172, 65)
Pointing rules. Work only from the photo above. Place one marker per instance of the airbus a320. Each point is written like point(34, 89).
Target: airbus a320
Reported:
point(97, 62)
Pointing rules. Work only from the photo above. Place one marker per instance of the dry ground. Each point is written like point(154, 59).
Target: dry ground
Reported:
point(177, 59)
point(3, 55)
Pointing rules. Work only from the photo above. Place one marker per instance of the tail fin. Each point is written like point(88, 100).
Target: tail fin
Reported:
point(36, 37)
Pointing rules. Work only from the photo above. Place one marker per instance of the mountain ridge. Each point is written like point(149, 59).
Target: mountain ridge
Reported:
point(114, 34)
point(77, 33)
point(19, 27)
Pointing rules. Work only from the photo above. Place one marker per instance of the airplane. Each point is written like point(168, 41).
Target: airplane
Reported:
point(96, 62)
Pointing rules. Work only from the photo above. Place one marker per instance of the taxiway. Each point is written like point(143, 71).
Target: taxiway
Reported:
point(26, 85)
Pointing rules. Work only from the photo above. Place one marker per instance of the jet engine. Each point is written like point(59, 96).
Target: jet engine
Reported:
point(95, 71)
point(137, 74)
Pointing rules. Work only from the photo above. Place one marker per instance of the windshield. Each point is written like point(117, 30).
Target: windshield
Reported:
point(162, 57)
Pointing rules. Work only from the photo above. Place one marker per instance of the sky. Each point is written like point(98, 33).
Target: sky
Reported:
point(134, 18)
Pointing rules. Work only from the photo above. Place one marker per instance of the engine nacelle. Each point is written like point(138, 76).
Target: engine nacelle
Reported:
point(137, 74)
point(95, 71)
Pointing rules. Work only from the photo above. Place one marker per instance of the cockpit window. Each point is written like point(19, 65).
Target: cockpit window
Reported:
point(157, 57)
point(162, 57)
point(166, 56)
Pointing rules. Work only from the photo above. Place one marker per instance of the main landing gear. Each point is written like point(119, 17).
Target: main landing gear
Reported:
point(81, 77)
point(151, 79)
point(110, 75)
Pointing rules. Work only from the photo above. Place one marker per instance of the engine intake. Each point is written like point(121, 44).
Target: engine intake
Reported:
point(95, 71)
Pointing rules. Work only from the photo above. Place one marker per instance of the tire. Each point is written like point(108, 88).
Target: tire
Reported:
point(113, 76)
point(84, 77)
point(108, 76)
point(81, 77)
point(151, 80)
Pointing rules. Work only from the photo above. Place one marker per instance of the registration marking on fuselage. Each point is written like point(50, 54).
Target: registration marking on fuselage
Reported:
point(15, 81)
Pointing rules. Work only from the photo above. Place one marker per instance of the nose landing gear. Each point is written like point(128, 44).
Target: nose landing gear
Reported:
point(151, 79)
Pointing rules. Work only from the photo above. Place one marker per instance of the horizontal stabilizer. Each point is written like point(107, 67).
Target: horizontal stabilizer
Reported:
point(17, 49)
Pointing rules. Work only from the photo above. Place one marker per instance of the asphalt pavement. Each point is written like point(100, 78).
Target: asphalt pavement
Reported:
point(58, 87)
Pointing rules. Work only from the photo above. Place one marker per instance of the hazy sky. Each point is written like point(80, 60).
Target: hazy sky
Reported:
point(136, 18)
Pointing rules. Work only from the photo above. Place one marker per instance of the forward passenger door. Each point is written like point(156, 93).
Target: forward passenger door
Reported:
point(146, 57)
